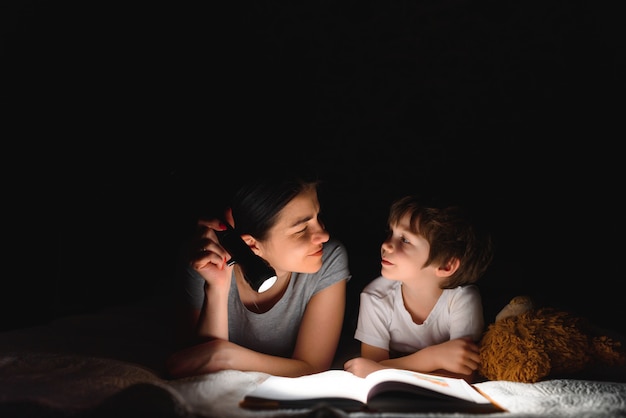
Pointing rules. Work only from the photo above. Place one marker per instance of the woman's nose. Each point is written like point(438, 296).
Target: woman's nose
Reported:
point(321, 235)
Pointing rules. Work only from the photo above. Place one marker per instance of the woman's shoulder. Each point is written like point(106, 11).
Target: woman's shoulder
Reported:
point(333, 250)
point(334, 244)
point(334, 266)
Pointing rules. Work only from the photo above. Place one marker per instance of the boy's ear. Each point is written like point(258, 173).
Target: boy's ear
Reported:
point(448, 269)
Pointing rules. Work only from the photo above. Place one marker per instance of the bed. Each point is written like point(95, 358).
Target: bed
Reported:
point(110, 363)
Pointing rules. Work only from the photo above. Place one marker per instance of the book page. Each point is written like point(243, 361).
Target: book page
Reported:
point(450, 386)
point(328, 384)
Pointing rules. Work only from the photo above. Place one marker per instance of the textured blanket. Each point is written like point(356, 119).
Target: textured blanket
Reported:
point(70, 385)
point(109, 365)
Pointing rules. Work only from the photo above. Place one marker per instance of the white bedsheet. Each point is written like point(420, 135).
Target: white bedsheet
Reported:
point(74, 384)
point(109, 365)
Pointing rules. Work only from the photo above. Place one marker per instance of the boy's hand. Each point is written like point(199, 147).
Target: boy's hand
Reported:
point(361, 366)
point(460, 355)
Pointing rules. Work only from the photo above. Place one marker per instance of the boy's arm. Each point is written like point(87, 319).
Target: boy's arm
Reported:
point(374, 353)
point(459, 357)
point(370, 360)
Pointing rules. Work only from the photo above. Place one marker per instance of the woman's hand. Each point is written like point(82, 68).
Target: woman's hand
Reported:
point(207, 357)
point(207, 256)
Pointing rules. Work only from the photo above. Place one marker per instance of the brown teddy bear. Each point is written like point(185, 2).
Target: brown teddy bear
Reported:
point(528, 344)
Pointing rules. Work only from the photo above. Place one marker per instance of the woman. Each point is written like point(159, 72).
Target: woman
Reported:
point(293, 328)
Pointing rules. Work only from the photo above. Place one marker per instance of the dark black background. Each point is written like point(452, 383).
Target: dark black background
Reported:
point(135, 117)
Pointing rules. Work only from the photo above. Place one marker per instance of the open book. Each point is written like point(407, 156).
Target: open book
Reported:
point(385, 390)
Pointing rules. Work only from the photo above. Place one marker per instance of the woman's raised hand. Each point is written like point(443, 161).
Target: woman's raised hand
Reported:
point(207, 256)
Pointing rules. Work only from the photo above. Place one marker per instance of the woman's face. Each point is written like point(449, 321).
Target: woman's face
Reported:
point(295, 241)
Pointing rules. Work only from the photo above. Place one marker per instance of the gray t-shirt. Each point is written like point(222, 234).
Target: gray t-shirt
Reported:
point(274, 332)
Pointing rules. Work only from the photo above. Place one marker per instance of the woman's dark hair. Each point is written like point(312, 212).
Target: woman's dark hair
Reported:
point(256, 205)
point(451, 234)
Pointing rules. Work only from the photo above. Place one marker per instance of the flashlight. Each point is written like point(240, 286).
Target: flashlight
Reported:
point(256, 270)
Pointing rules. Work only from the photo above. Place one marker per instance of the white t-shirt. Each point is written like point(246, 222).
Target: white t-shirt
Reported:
point(384, 322)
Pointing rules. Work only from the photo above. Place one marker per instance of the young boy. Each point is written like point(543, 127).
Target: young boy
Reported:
point(424, 313)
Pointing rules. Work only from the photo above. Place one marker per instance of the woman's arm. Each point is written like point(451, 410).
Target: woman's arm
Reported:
point(320, 330)
point(213, 318)
point(209, 259)
point(315, 349)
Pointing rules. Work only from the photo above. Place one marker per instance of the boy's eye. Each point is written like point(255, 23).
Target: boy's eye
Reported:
point(404, 240)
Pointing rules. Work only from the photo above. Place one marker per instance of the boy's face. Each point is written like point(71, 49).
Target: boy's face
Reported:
point(404, 253)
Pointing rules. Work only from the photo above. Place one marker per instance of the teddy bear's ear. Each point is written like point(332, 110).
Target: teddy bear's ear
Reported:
point(517, 305)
